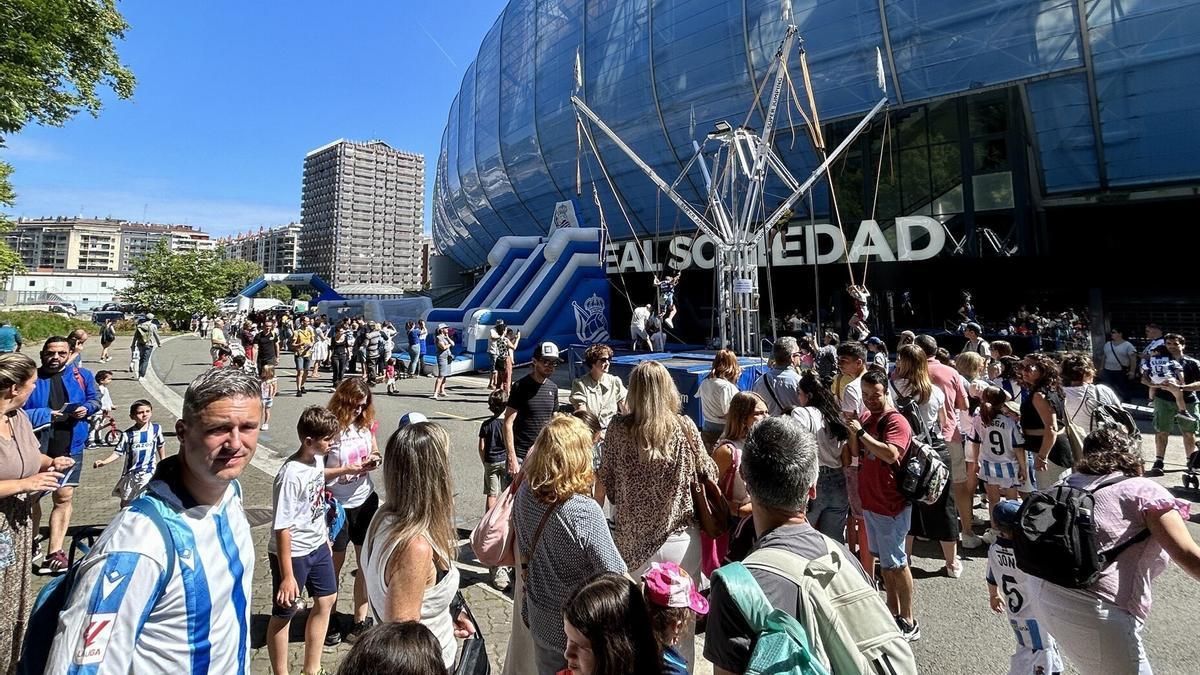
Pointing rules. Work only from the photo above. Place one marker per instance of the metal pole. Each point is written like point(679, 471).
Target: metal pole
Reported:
point(812, 218)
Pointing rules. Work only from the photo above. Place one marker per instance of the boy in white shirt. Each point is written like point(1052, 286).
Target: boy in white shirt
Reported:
point(299, 548)
point(103, 377)
point(142, 445)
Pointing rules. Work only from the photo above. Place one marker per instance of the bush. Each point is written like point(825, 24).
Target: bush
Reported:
point(37, 326)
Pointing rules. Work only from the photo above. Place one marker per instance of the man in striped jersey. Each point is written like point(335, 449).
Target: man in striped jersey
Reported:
point(137, 607)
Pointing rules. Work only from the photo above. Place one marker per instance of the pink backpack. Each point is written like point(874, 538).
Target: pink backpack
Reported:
point(492, 539)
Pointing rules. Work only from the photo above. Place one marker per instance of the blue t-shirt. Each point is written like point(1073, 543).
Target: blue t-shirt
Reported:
point(414, 338)
point(8, 338)
point(674, 663)
point(492, 434)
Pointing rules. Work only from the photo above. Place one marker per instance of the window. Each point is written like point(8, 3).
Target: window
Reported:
point(69, 284)
point(103, 284)
point(32, 283)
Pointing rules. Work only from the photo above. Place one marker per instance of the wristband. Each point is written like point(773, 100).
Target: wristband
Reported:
point(861, 432)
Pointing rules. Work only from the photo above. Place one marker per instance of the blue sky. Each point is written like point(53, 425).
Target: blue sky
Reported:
point(230, 97)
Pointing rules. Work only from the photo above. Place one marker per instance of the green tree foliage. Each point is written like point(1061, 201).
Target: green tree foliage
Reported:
point(277, 291)
point(55, 55)
point(177, 285)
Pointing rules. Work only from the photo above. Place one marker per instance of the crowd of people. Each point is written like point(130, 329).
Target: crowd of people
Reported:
point(632, 527)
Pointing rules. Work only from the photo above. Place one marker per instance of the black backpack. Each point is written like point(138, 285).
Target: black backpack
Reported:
point(1055, 537)
point(1118, 417)
point(921, 475)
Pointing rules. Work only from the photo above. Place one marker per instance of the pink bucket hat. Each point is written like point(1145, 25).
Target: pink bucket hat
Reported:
point(668, 585)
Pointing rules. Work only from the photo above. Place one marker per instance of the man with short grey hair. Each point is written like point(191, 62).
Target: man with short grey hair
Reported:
point(779, 467)
point(780, 386)
point(168, 583)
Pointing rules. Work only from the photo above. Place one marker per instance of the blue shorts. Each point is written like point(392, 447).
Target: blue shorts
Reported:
point(886, 535)
point(303, 363)
point(313, 572)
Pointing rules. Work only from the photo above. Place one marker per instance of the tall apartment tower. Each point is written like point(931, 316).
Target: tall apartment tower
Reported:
point(362, 214)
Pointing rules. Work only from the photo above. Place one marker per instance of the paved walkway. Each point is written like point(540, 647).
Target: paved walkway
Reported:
point(960, 634)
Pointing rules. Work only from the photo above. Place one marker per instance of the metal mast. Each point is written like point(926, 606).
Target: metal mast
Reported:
point(742, 163)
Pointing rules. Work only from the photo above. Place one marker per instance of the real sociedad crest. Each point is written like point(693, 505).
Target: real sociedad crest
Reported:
point(591, 325)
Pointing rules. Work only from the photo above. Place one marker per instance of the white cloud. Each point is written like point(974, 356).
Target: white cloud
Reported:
point(23, 149)
point(215, 216)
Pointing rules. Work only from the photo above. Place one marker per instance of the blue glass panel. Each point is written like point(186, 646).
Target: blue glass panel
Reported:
point(944, 46)
point(492, 178)
point(518, 136)
point(559, 34)
point(462, 221)
point(1146, 57)
point(468, 171)
point(618, 89)
point(1062, 121)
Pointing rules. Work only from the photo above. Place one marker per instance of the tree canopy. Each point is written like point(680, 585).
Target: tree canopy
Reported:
point(55, 56)
point(177, 285)
point(277, 291)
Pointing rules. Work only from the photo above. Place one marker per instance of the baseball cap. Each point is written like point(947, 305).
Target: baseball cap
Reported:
point(547, 350)
point(1006, 512)
point(875, 341)
point(1013, 405)
point(668, 585)
point(411, 418)
point(441, 326)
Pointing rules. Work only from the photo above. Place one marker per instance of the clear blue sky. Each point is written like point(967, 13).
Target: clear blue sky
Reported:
point(230, 97)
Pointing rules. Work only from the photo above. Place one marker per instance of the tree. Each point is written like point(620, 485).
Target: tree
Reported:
point(54, 57)
point(277, 291)
point(177, 285)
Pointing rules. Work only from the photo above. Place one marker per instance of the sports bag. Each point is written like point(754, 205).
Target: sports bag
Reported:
point(492, 539)
point(845, 620)
point(780, 638)
point(921, 475)
point(1055, 537)
point(53, 598)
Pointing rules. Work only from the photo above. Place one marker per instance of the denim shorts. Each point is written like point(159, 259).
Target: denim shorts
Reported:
point(886, 535)
point(303, 363)
point(313, 572)
point(828, 511)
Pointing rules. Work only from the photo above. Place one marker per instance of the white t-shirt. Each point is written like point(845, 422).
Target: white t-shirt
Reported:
point(715, 394)
point(829, 449)
point(1081, 401)
point(998, 442)
point(352, 447)
point(851, 398)
point(1119, 356)
point(299, 499)
point(638, 321)
point(930, 409)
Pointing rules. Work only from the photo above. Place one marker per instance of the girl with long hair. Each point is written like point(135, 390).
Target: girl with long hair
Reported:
point(996, 435)
point(716, 391)
point(1042, 419)
point(745, 409)
point(651, 459)
point(408, 556)
point(348, 467)
point(820, 414)
point(608, 630)
point(562, 536)
point(916, 396)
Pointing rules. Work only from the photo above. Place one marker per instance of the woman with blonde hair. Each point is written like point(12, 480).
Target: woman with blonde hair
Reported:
point(650, 463)
point(562, 536)
point(24, 474)
point(348, 465)
point(915, 395)
point(716, 391)
point(408, 556)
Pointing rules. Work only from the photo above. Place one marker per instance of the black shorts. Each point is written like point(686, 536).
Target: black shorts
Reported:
point(358, 519)
point(313, 572)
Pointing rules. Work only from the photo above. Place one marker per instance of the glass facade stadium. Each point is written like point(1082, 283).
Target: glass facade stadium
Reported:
point(1017, 125)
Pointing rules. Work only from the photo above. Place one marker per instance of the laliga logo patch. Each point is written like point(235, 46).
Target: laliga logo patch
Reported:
point(591, 325)
point(96, 634)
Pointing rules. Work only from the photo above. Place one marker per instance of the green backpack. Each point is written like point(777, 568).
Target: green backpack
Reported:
point(782, 644)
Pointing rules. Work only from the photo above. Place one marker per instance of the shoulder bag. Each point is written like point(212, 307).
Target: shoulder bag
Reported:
point(537, 534)
point(708, 503)
point(492, 539)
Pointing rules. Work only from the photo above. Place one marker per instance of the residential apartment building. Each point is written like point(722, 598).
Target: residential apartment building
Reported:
point(362, 214)
point(275, 249)
point(95, 244)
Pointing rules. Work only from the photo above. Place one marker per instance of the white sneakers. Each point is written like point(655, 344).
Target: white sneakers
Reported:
point(969, 540)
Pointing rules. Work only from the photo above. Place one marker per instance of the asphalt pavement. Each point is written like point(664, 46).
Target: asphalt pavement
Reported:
point(960, 634)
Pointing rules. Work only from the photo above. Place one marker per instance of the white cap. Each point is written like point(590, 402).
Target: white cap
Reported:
point(411, 418)
point(547, 350)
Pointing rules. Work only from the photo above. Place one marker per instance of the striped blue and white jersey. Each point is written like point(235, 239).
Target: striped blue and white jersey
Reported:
point(1013, 585)
point(140, 447)
point(113, 621)
point(997, 441)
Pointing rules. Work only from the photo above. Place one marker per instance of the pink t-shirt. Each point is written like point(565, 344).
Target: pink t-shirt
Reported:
point(1120, 514)
point(951, 383)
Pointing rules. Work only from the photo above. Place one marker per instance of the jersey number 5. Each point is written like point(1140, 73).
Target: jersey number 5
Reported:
point(1008, 584)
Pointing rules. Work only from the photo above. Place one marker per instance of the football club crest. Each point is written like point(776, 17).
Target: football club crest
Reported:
point(591, 324)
